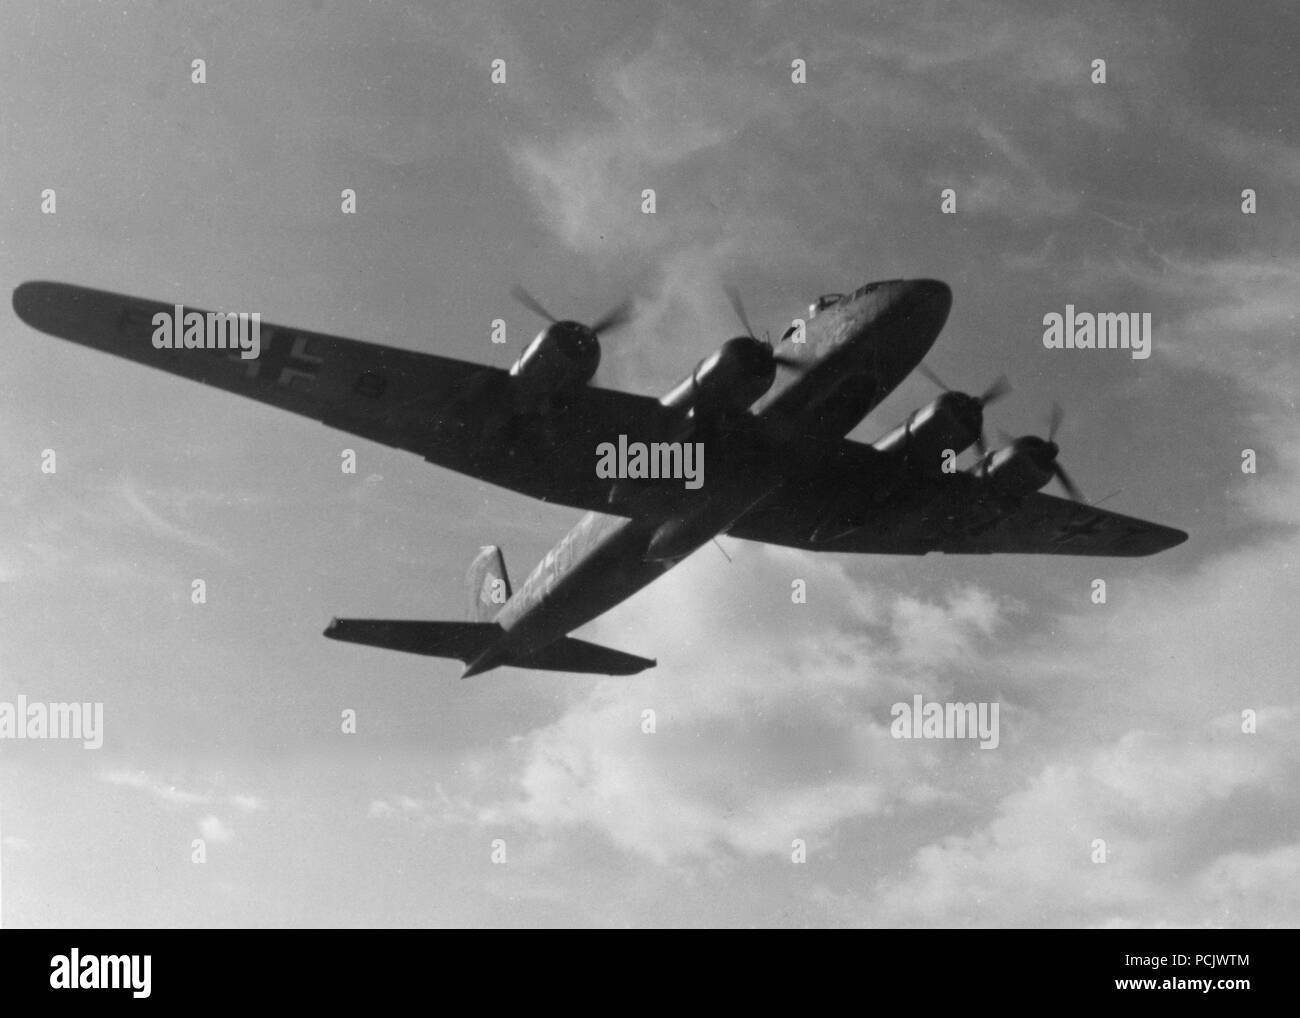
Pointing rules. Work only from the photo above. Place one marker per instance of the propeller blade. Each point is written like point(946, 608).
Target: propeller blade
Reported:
point(733, 295)
point(614, 319)
point(1054, 423)
point(995, 391)
point(530, 302)
point(1070, 488)
point(933, 378)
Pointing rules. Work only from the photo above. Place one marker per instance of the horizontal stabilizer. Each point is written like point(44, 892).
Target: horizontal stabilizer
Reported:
point(470, 641)
point(463, 641)
point(570, 655)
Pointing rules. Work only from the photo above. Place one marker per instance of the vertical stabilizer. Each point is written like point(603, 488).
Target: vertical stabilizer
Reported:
point(487, 586)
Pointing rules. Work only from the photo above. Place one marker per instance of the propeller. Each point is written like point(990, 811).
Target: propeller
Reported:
point(1054, 421)
point(933, 377)
point(1053, 426)
point(975, 405)
point(1070, 487)
point(530, 302)
point(990, 395)
point(995, 391)
point(612, 319)
point(738, 306)
point(1045, 452)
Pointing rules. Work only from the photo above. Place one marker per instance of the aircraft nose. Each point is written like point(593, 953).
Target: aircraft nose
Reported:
point(924, 305)
point(913, 311)
point(927, 296)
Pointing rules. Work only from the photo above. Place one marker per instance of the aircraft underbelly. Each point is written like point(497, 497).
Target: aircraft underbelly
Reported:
point(607, 567)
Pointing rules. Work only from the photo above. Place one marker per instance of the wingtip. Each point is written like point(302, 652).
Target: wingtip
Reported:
point(1173, 537)
point(23, 297)
point(1162, 540)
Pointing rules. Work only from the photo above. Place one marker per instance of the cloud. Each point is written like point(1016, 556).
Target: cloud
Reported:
point(144, 782)
point(934, 633)
point(162, 528)
point(762, 736)
point(212, 829)
point(441, 809)
point(168, 791)
point(1154, 801)
point(588, 183)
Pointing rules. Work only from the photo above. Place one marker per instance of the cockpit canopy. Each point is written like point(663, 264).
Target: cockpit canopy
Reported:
point(827, 299)
point(823, 302)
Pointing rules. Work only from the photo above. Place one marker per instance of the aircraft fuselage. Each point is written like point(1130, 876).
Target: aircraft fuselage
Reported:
point(856, 351)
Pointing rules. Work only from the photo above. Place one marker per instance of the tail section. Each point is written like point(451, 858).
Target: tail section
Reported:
point(475, 644)
point(479, 642)
point(487, 586)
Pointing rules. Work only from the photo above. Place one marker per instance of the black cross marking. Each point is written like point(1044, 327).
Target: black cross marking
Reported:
point(283, 360)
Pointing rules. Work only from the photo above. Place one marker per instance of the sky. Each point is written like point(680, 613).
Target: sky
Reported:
point(1121, 724)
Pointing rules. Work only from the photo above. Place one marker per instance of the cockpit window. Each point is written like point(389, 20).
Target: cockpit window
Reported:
point(823, 302)
point(863, 290)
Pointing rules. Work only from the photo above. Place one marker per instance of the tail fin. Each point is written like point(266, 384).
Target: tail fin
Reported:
point(476, 642)
point(487, 586)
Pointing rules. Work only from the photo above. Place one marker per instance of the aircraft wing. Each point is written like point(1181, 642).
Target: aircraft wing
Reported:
point(952, 516)
point(457, 414)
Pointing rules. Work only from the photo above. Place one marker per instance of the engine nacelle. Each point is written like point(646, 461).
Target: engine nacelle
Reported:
point(1021, 467)
point(728, 381)
point(563, 357)
point(952, 421)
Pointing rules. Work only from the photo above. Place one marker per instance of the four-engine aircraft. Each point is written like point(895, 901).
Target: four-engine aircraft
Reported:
point(769, 418)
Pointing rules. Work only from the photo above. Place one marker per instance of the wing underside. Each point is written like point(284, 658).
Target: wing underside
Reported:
point(954, 516)
point(463, 416)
